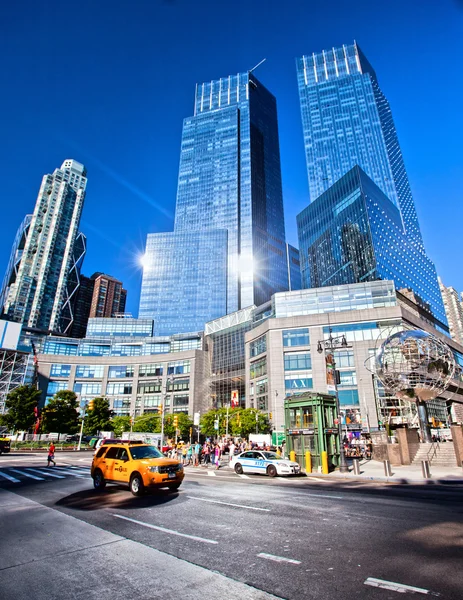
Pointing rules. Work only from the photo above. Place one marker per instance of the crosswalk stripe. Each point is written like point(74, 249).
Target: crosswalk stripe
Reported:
point(13, 479)
point(46, 473)
point(243, 476)
point(27, 474)
point(211, 474)
point(68, 472)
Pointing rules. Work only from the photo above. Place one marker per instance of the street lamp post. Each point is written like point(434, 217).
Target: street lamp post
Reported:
point(331, 344)
point(275, 420)
point(169, 379)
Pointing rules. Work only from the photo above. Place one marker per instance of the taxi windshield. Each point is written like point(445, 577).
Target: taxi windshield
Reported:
point(145, 452)
point(271, 455)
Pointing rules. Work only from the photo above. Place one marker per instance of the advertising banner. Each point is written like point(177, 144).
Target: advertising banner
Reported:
point(235, 401)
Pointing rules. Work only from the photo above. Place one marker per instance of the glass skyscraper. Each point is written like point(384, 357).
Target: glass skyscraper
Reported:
point(353, 233)
point(229, 180)
point(347, 121)
point(48, 271)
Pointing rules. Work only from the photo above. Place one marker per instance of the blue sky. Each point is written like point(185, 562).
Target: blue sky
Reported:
point(109, 83)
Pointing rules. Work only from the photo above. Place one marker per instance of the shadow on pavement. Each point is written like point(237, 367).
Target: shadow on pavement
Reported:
point(115, 497)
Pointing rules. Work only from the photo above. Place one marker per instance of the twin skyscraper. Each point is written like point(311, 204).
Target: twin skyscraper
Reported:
point(228, 249)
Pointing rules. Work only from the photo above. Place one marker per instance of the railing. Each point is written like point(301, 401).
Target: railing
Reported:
point(433, 451)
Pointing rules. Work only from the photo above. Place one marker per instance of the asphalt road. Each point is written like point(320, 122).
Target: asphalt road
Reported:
point(223, 536)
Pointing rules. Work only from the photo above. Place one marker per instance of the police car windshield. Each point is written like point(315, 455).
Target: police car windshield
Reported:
point(271, 455)
point(145, 452)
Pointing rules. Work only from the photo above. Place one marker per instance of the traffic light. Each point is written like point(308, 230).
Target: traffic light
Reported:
point(90, 405)
point(191, 431)
point(270, 416)
point(176, 421)
point(160, 409)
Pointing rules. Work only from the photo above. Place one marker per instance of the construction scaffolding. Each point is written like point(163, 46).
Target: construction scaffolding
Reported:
point(16, 368)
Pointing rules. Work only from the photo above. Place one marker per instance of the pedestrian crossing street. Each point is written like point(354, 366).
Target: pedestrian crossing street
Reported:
point(36, 473)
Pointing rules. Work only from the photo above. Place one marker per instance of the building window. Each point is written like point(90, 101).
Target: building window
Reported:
point(258, 368)
point(152, 401)
point(150, 387)
point(258, 346)
point(90, 371)
point(178, 368)
point(60, 370)
point(113, 389)
point(87, 389)
point(296, 361)
point(56, 386)
point(153, 370)
point(348, 378)
point(181, 400)
point(296, 337)
point(344, 358)
point(178, 385)
point(295, 385)
point(348, 397)
point(120, 372)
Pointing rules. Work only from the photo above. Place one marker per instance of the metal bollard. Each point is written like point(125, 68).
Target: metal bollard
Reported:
point(308, 462)
point(324, 457)
point(387, 468)
point(292, 456)
point(425, 469)
point(356, 465)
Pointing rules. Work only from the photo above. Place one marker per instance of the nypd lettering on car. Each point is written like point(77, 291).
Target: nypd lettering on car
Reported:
point(266, 463)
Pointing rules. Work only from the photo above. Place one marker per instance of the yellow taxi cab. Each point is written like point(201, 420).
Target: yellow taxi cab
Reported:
point(140, 466)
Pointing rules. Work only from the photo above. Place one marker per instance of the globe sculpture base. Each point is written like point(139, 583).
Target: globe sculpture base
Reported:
point(424, 422)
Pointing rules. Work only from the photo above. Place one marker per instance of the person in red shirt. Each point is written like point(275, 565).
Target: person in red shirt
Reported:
point(51, 455)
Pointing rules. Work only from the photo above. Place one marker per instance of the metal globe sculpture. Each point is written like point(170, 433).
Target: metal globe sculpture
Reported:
point(415, 365)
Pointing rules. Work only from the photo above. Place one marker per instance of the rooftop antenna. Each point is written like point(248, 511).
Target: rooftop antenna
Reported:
point(258, 65)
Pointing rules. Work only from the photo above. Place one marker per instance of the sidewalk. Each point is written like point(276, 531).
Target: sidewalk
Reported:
point(374, 470)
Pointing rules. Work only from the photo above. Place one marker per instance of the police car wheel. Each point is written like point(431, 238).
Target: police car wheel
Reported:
point(98, 480)
point(238, 469)
point(136, 485)
point(271, 470)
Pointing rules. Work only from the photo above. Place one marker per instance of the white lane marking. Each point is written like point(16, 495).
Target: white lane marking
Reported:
point(45, 473)
point(27, 474)
point(211, 474)
point(229, 504)
point(397, 587)
point(68, 472)
point(315, 479)
point(323, 496)
point(279, 558)
point(13, 479)
point(243, 476)
point(164, 530)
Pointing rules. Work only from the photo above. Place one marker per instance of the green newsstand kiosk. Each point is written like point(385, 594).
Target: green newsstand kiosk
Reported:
point(310, 424)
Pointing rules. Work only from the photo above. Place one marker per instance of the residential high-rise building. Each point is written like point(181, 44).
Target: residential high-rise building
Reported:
point(347, 121)
point(109, 297)
point(353, 233)
point(454, 311)
point(41, 294)
point(230, 181)
point(81, 307)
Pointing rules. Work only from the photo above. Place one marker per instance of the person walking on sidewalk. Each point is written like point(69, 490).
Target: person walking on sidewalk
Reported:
point(217, 454)
point(51, 455)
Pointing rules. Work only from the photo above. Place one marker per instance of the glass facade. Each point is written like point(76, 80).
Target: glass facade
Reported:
point(347, 121)
point(184, 280)
point(353, 233)
point(125, 327)
point(229, 182)
point(294, 268)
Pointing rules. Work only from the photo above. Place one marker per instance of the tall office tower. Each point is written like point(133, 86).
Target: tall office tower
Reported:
point(15, 259)
point(81, 307)
point(229, 180)
point(294, 268)
point(353, 233)
point(453, 310)
point(109, 297)
point(42, 290)
point(347, 121)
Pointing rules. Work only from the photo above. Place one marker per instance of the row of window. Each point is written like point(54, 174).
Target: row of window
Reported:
point(120, 371)
point(114, 389)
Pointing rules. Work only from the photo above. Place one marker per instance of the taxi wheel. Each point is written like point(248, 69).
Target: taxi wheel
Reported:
point(136, 485)
point(173, 487)
point(271, 470)
point(98, 480)
point(238, 469)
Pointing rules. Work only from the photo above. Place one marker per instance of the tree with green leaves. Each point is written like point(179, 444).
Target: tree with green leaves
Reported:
point(184, 424)
point(21, 404)
point(147, 423)
point(60, 414)
point(99, 418)
point(119, 424)
point(241, 422)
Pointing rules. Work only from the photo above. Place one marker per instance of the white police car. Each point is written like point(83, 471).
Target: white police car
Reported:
point(267, 463)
